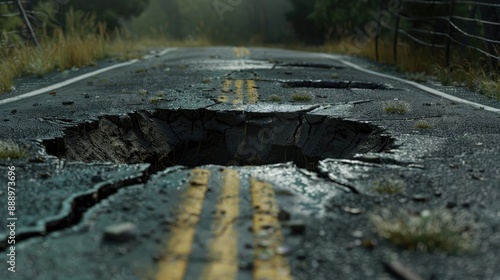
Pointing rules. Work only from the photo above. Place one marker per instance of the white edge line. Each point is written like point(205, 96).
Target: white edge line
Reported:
point(419, 86)
point(75, 79)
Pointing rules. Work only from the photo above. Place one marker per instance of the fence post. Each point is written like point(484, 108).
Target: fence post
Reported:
point(379, 29)
point(27, 22)
point(395, 45)
point(450, 33)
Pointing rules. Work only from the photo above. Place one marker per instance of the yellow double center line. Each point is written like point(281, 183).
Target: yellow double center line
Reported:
point(237, 95)
point(223, 246)
point(241, 52)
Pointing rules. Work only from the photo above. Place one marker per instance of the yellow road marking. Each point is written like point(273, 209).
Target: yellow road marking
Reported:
point(252, 94)
point(246, 52)
point(239, 92)
point(241, 52)
point(173, 266)
point(268, 264)
point(223, 249)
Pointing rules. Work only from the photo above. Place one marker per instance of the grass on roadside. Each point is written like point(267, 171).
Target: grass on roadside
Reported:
point(428, 230)
point(60, 51)
point(84, 42)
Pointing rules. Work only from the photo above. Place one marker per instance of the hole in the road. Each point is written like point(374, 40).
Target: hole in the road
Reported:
point(198, 137)
point(335, 84)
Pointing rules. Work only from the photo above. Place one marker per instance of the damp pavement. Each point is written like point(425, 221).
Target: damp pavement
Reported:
point(244, 163)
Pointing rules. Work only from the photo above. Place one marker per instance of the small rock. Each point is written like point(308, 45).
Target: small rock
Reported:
point(477, 177)
point(120, 232)
point(68, 102)
point(13, 112)
point(264, 243)
point(357, 234)
point(354, 211)
point(421, 198)
point(283, 250)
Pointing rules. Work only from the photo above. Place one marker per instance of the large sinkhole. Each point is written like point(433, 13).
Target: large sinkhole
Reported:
point(232, 138)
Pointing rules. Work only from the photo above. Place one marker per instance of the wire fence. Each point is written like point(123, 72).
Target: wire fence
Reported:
point(17, 8)
point(448, 25)
point(23, 18)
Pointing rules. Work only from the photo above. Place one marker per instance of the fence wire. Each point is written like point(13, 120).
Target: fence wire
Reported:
point(444, 30)
point(26, 30)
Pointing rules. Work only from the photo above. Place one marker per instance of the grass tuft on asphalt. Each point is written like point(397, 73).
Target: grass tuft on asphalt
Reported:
point(396, 107)
point(301, 96)
point(11, 150)
point(436, 230)
point(387, 185)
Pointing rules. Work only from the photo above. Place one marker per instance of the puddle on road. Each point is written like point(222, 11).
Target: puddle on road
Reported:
point(199, 137)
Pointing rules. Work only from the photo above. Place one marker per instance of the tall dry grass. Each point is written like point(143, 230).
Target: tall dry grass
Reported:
point(82, 43)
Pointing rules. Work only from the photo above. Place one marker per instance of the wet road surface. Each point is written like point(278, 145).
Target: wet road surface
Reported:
point(243, 163)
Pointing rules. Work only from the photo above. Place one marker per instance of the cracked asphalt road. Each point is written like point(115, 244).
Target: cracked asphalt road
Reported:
point(238, 163)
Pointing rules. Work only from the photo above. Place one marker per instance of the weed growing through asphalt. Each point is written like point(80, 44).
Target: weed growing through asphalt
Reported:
point(434, 230)
point(159, 97)
point(156, 100)
point(387, 185)
point(11, 150)
point(423, 125)
point(302, 96)
point(142, 92)
point(396, 107)
point(274, 98)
